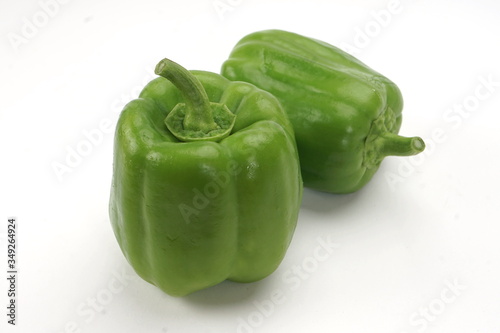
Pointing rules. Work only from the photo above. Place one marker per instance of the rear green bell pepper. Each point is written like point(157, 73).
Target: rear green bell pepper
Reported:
point(346, 116)
point(206, 181)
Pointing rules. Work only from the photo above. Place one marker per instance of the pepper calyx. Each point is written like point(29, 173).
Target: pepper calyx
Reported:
point(382, 142)
point(197, 119)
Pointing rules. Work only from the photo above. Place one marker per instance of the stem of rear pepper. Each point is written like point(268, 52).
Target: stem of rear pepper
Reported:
point(390, 144)
point(199, 114)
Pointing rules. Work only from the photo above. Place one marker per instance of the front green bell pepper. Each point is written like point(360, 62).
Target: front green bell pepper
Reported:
point(206, 181)
point(345, 115)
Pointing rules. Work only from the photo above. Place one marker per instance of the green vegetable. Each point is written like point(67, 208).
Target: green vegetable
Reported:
point(206, 181)
point(345, 115)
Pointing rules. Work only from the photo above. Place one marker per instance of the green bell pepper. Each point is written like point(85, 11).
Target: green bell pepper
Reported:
point(206, 181)
point(345, 115)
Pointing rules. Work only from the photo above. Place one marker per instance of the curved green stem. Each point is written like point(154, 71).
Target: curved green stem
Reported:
point(390, 144)
point(199, 115)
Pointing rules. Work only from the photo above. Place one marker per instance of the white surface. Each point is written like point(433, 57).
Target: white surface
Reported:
point(420, 253)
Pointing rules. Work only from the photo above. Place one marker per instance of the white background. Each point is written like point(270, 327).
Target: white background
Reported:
point(416, 250)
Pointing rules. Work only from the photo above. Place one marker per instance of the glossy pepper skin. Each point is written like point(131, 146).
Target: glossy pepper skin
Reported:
point(346, 116)
point(219, 203)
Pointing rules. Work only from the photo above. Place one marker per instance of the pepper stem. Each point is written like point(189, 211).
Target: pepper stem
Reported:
point(390, 144)
point(199, 115)
point(197, 119)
